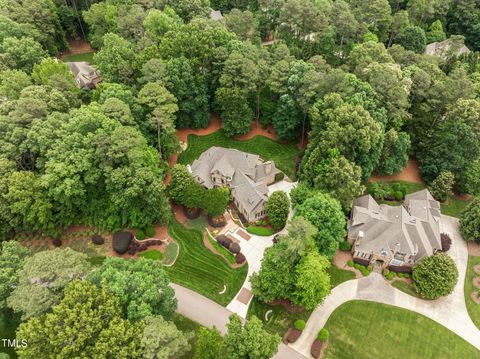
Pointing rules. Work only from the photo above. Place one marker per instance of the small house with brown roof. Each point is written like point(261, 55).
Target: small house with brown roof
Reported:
point(246, 174)
point(395, 236)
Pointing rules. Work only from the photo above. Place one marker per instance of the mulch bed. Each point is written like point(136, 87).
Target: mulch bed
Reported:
point(191, 213)
point(293, 335)
point(476, 282)
point(217, 222)
point(287, 305)
point(318, 348)
point(475, 297)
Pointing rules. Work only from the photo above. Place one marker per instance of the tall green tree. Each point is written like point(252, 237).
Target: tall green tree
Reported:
point(142, 287)
point(162, 339)
point(325, 213)
point(12, 259)
point(313, 282)
point(412, 38)
point(209, 345)
point(115, 59)
point(82, 334)
point(278, 207)
point(470, 221)
point(43, 278)
point(21, 54)
point(249, 341)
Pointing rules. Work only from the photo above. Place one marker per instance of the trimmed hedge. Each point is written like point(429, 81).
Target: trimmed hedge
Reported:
point(350, 263)
point(299, 324)
point(226, 243)
point(323, 335)
point(140, 234)
point(279, 176)
point(446, 242)
point(234, 248)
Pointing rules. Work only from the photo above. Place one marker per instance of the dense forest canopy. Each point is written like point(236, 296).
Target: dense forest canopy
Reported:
point(350, 74)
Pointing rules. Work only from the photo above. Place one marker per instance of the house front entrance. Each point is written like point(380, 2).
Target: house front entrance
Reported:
point(378, 266)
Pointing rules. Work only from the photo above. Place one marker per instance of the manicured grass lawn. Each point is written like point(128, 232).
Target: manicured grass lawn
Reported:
point(260, 231)
point(472, 307)
point(154, 254)
point(283, 154)
point(170, 253)
point(365, 330)
point(225, 252)
point(187, 325)
point(88, 57)
point(199, 269)
point(279, 320)
point(453, 206)
point(338, 276)
point(96, 261)
point(406, 288)
point(8, 325)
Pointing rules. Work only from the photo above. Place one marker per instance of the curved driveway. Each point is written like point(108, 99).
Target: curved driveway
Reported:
point(449, 311)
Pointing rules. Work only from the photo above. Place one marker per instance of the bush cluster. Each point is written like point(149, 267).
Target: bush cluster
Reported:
point(150, 231)
point(299, 324)
point(364, 270)
point(350, 263)
point(279, 176)
point(57, 242)
point(323, 335)
point(140, 234)
point(345, 246)
point(388, 191)
point(136, 247)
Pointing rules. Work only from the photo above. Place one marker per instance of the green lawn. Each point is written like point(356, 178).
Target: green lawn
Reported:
point(472, 307)
point(8, 325)
point(88, 57)
point(279, 320)
point(260, 231)
point(154, 254)
point(201, 270)
point(453, 206)
point(283, 154)
point(365, 330)
point(338, 275)
point(225, 252)
point(406, 288)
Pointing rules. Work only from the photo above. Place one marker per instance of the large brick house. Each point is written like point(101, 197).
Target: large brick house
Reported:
point(246, 174)
point(395, 236)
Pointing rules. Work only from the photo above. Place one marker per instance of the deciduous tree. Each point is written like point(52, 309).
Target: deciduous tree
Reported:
point(435, 276)
point(278, 207)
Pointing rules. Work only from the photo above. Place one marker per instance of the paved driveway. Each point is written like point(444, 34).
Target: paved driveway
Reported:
point(449, 311)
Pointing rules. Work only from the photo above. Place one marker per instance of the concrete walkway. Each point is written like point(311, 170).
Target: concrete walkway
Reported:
point(449, 311)
point(253, 249)
point(210, 314)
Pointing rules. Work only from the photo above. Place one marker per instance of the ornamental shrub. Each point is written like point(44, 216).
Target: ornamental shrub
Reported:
point(150, 231)
point(345, 246)
point(234, 248)
point(299, 324)
point(226, 243)
point(386, 272)
point(446, 242)
point(57, 242)
point(350, 263)
point(470, 221)
point(390, 276)
point(398, 195)
point(140, 234)
point(240, 258)
point(323, 335)
point(435, 276)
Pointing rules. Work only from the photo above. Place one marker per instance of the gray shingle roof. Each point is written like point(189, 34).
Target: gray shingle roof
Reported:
point(413, 228)
point(245, 169)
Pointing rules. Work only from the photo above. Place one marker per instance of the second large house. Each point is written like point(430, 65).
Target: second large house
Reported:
point(395, 236)
point(246, 174)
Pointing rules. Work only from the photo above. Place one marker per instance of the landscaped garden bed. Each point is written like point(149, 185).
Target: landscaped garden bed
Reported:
point(153, 254)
